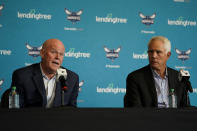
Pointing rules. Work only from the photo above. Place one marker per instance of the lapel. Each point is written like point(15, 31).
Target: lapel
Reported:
point(151, 84)
point(170, 80)
point(57, 99)
point(38, 80)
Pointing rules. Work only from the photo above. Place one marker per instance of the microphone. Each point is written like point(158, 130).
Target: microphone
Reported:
point(63, 83)
point(184, 77)
point(61, 77)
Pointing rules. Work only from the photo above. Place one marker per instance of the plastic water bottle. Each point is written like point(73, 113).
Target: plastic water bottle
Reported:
point(172, 99)
point(13, 99)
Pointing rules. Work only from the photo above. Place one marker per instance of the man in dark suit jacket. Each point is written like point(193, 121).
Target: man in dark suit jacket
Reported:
point(150, 85)
point(33, 82)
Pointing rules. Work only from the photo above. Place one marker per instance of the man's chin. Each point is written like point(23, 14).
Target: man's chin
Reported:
point(154, 66)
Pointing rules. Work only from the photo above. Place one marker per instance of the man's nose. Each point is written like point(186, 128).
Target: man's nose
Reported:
point(154, 54)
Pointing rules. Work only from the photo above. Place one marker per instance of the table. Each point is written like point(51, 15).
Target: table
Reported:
point(101, 119)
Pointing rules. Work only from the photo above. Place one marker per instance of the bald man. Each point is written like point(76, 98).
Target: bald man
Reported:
point(37, 84)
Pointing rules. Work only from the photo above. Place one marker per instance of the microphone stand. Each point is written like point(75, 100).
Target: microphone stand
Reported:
point(62, 93)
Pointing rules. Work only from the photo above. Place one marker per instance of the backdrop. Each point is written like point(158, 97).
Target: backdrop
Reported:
point(105, 40)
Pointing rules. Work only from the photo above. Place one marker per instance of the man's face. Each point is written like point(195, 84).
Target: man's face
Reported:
point(52, 56)
point(157, 55)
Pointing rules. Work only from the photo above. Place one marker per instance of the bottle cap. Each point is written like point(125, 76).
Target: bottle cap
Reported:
point(14, 88)
point(171, 90)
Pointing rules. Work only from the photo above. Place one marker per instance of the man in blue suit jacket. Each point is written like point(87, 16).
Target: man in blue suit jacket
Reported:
point(37, 84)
point(150, 86)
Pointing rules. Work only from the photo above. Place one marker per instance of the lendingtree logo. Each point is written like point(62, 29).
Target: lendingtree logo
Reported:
point(181, 22)
point(110, 19)
point(78, 54)
point(111, 88)
point(140, 56)
point(5, 52)
point(32, 14)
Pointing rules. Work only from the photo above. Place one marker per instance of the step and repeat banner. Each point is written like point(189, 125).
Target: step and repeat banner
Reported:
point(105, 40)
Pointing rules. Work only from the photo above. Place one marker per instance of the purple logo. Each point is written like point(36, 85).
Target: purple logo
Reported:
point(1, 8)
point(80, 85)
point(73, 16)
point(183, 55)
point(147, 20)
point(33, 51)
point(112, 54)
point(1, 83)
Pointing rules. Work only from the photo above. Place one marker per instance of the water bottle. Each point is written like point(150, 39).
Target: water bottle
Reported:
point(172, 99)
point(13, 99)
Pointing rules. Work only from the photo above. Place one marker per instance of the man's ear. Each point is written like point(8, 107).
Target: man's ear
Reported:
point(169, 54)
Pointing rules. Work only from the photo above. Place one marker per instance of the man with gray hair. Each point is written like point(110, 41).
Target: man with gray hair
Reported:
point(150, 85)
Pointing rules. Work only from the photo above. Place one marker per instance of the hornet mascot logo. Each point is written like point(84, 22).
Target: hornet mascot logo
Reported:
point(183, 55)
point(147, 20)
point(1, 83)
point(80, 85)
point(112, 54)
point(33, 51)
point(1, 8)
point(73, 16)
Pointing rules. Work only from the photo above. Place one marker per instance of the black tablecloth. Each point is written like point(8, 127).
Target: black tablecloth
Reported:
point(108, 119)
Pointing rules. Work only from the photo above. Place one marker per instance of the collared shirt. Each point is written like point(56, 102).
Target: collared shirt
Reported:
point(49, 84)
point(162, 89)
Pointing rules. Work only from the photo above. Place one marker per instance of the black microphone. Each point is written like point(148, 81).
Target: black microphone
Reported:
point(63, 83)
point(184, 77)
point(64, 88)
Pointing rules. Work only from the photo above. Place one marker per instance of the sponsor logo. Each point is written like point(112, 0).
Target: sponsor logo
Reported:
point(140, 56)
point(147, 20)
point(181, 22)
point(1, 83)
point(181, 1)
point(80, 85)
point(73, 16)
point(112, 54)
point(183, 56)
point(1, 8)
point(111, 88)
point(194, 90)
point(33, 51)
point(72, 53)
point(110, 19)
point(33, 15)
point(5, 52)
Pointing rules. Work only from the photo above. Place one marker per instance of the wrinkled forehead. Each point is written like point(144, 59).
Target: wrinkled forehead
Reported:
point(54, 44)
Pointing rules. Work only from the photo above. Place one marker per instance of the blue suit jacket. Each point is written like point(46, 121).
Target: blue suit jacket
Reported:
point(141, 91)
point(30, 86)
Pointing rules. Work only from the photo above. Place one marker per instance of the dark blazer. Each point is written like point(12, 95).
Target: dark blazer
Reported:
point(141, 91)
point(30, 86)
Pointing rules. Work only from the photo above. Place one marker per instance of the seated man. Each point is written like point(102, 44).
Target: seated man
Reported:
point(150, 85)
point(37, 84)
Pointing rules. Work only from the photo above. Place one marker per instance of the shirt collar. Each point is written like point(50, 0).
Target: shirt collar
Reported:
point(155, 74)
point(45, 76)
